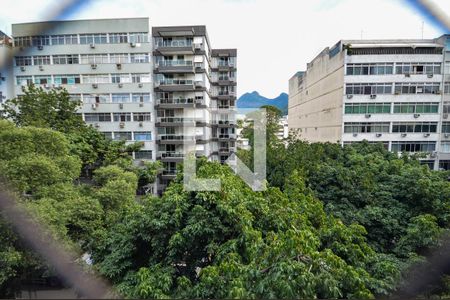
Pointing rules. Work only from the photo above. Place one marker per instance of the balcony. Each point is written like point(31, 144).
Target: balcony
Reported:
point(169, 174)
point(174, 121)
point(174, 85)
point(175, 103)
point(170, 156)
point(224, 80)
point(175, 47)
point(223, 65)
point(174, 139)
point(224, 123)
point(227, 136)
point(223, 94)
point(175, 66)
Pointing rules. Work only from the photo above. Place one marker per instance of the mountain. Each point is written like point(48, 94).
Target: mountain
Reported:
point(254, 99)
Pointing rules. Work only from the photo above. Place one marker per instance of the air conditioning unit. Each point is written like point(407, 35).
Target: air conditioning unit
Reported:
point(41, 68)
point(433, 154)
point(198, 46)
point(141, 104)
point(445, 116)
point(94, 106)
point(439, 92)
point(396, 93)
point(94, 66)
point(22, 68)
point(120, 85)
point(416, 116)
point(40, 47)
point(355, 134)
point(133, 45)
point(231, 64)
point(367, 116)
point(121, 105)
point(430, 75)
point(94, 85)
point(46, 86)
point(426, 134)
point(404, 134)
point(379, 134)
point(407, 75)
point(122, 125)
point(447, 135)
point(96, 125)
point(92, 45)
point(141, 124)
point(349, 96)
point(198, 83)
point(140, 85)
point(373, 96)
point(119, 66)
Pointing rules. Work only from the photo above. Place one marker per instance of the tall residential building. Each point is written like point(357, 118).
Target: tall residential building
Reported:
point(194, 86)
point(6, 75)
point(396, 92)
point(165, 86)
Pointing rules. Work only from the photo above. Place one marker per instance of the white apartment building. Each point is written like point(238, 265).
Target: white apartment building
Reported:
point(391, 91)
point(165, 87)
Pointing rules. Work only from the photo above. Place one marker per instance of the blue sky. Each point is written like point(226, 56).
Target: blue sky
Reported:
point(274, 38)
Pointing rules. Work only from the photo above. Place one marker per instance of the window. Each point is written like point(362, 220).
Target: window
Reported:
point(445, 147)
point(416, 127)
point(370, 69)
point(137, 78)
point(24, 61)
point(119, 58)
point(418, 68)
point(139, 58)
point(108, 135)
point(142, 136)
point(22, 41)
point(66, 79)
point(142, 117)
point(140, 97)
point(75, 97)
point(99, 117)
point(96, 98)
point(139, 37)
point(366, 127)
point(143, 154)
point(96, 78)
point(40, 40)
point(122, 136)
point(94, 59)
point(41, 60)
point(411, 108)
point(117, 38)
point(69, 59)
point(120, 98)
point(24, 80)
point(122, 117)
point(67, 39)
point(99, 38)
point(445, 127)
point(42, 79)
point(120, 78)
point(368, 88)
point(417, 88)
point(413, 146)
point(367, 108)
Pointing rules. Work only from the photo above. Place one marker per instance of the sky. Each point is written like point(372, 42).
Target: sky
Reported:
point(275, 39)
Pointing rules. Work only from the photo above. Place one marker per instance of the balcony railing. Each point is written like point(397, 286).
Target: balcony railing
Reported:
point(174, 120)
point(174, 44)
point(174, 82)
point(174, 137)
point(169, 172)
point(175, 101)
point(227, 136)
point(171, 154)
point(175, 63)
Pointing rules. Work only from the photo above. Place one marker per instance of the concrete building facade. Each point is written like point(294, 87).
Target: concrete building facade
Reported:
point(6, 74)
point(391, 91)
point(156, 86)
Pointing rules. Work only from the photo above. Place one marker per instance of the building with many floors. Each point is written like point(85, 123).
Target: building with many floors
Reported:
point(163, 86)
point(396, 92)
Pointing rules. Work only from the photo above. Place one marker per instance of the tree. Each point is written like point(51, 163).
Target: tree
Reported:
point(239, 243)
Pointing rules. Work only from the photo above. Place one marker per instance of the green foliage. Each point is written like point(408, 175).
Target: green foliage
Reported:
point(239, 243)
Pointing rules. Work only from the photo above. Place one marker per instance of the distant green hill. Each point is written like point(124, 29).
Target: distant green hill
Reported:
point(254, 99)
